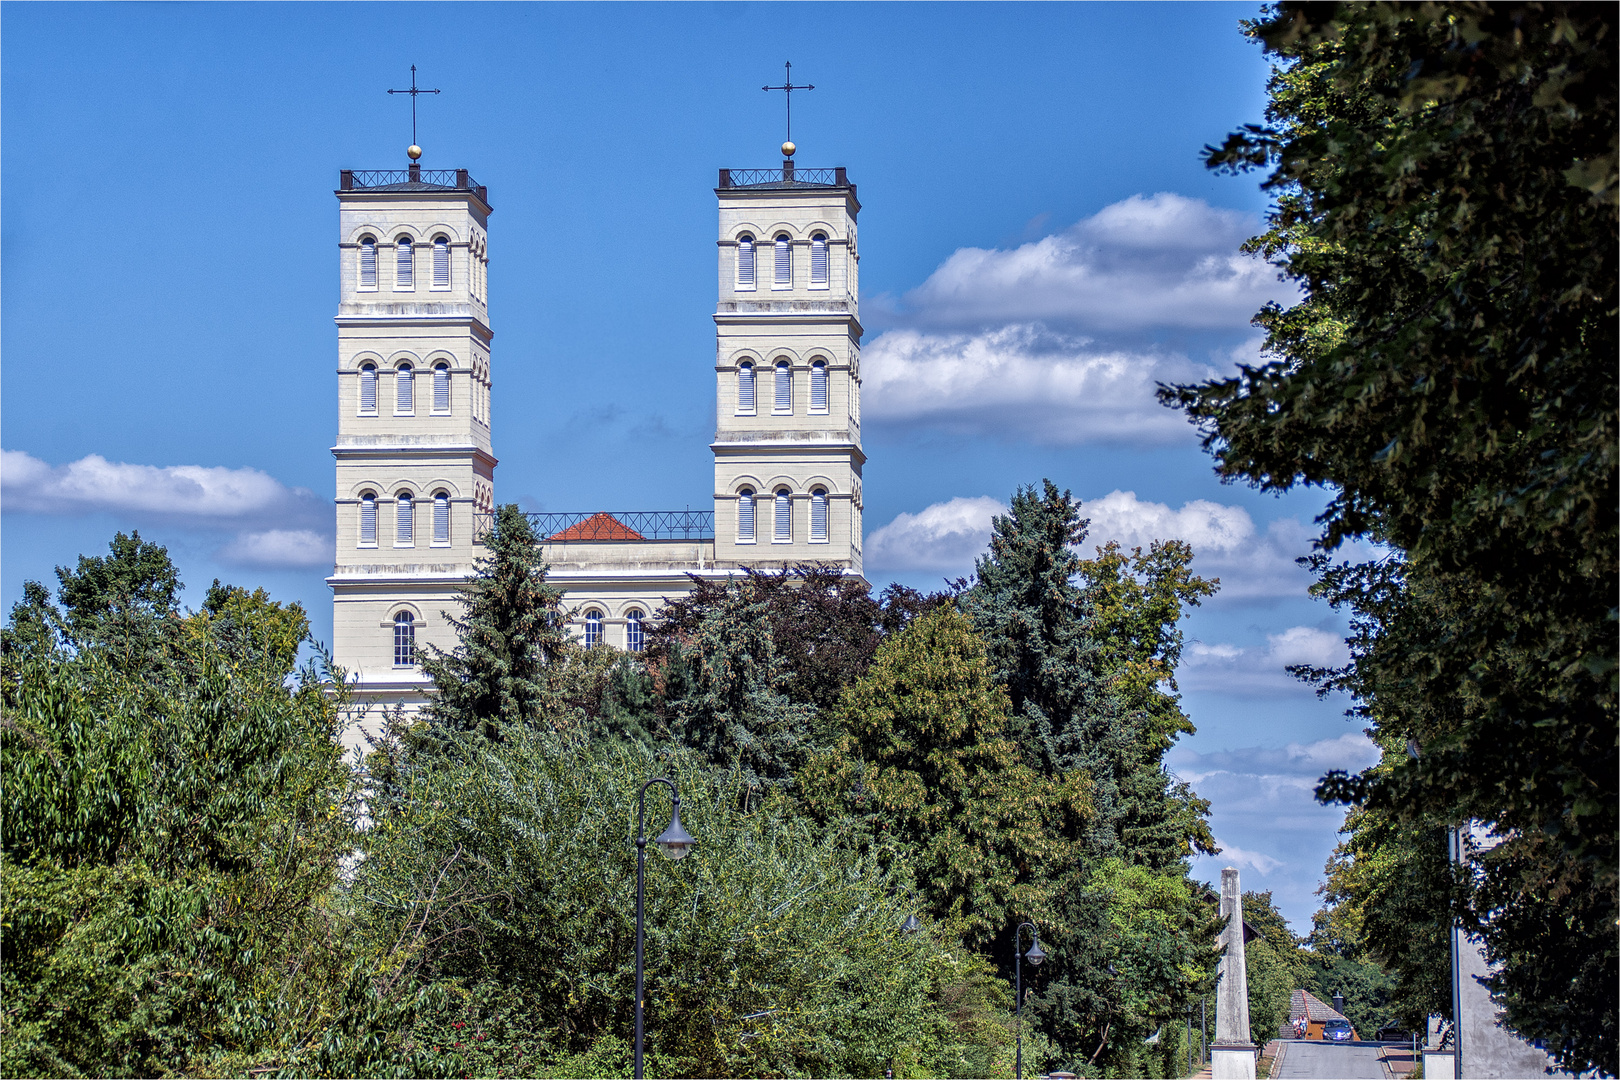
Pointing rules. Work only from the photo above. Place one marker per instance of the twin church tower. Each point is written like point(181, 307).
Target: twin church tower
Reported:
point(415, 449)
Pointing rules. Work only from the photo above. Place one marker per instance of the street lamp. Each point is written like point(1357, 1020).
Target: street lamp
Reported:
point(911, 925)
point(676, 843)
point(1035, 957)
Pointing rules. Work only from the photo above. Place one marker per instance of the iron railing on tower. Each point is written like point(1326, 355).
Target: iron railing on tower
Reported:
point(618, 526)
point(788, 176)
point(414, 178)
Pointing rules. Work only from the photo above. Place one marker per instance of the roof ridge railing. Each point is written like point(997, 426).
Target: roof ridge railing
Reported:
point(610, 526)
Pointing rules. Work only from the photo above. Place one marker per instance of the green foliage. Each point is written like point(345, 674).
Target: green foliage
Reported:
point(926, 772)
point(773, 948)
point(510, 629)
point(1446, 193)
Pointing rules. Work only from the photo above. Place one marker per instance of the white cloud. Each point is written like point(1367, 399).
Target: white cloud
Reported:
point(1232, 855)
point(1150, 261)
point(1255, 672)
point(1022, 381)
point(277, 548)
point(209, 494)
point(946, 536)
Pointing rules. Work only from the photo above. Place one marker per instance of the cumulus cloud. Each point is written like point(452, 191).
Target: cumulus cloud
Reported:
point(1023, 381)
point(1260, 672)
point(1232, 855)
point(1150, 261)
point(946, 536)
point(278, 548)
point(206, 494)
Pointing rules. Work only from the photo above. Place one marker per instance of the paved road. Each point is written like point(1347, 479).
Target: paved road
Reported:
point(1304, 1060)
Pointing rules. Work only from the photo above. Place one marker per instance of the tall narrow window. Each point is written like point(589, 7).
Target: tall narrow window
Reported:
point(745, 516)
point(441, 263)
point(818, 516)
point(368, 262)
point(745, 389)
point(593, 628)
point(784, 263)
point(784, 517)
point(404, 519)
point(404, 281)
point(784, 388)
point(368, 519)
point(818, 386)
point(818, 261)
point(441, 388)
point(404, 391)
point(441, 517)
point(745, 262)
point(368, 389)
point(632, 630)
point(404, 639)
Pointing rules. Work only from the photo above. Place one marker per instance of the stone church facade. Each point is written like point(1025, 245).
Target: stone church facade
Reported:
point(415, 459)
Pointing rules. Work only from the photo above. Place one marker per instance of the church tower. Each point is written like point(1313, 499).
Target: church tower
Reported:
point(415, 465)
point(787, 445)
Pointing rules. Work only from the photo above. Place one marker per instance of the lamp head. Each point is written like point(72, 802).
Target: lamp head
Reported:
point(675, 842)
point(911, 925)
point(1035, 956)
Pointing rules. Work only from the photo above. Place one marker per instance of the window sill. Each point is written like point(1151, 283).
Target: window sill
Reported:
point(781, 412)
point(823, 540)
point(787, 541)
point(746, 288)
point(373, 412)
point(441, 544)
point(818, 412)
point(819, 288)
point(437, 412)
point(781, 288)
point(365, 288)
point(750, 412)
point(405, 414)
point(365, 547)
point(749, 542)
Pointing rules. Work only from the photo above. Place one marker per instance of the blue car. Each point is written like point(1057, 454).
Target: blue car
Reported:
point(1337, 1031)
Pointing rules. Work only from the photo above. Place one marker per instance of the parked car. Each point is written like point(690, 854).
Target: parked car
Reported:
point(1337, 1031)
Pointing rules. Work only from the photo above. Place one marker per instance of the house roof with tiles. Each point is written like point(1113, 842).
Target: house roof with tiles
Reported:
point(1306, 1004)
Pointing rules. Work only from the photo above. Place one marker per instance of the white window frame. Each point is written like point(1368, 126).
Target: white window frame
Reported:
point(441, 261)
point(818, 387)
point(404, 519)
point(747, 263)
point(782, 388)
point(782, 277)
point(405, 390)
point(593, 628)
point(635, 638)
point(818, 516)
point(404, 639)
point(747, 517)
point(818, 261)
point(747, 388)
point(782, 517)
point(368, 247)
point(368, 520)
point(441, 519)
point(404, 264)
point(369, 378)
point(441, 388)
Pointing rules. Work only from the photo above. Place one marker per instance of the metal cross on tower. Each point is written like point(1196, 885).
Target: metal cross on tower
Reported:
point(787, 85)
point(413, 91)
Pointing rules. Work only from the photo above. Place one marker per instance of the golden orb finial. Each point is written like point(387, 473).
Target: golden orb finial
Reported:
point(787, 149)
point(413, 151)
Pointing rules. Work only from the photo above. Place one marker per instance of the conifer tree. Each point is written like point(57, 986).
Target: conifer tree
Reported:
point(512, 628)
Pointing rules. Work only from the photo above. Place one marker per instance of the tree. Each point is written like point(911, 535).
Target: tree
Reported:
point(1445, 178)
point(925, 766)
point(511, 629)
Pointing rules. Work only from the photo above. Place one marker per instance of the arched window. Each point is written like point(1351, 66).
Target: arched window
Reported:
point(404, 281)
point(404, 390)
point(441, 517)
point(745, 516)
point(441, 388)
point(632, 630)
point(368, 519)
point(593, 628)
point(441, 262)
point(404, 639)
point(404, 519)
point(368, 389)
point(818, 261)
point(368, 262)
point(745, 389)
point(818, 516)
point(784, 388)
point(784, 517)
point(818, 386)
point(745, 262)
point(784, 263)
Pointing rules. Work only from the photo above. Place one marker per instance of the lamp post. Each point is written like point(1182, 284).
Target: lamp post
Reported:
point(1035, 958)
point(676, 843)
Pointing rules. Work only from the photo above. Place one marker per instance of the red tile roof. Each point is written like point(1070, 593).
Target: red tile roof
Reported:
point(596, 527)
point(1306, 1004)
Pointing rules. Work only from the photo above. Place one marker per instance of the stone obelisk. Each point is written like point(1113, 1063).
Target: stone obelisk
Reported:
point(1232, 1054)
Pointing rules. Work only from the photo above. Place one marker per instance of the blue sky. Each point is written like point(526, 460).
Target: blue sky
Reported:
point(1040, 242)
